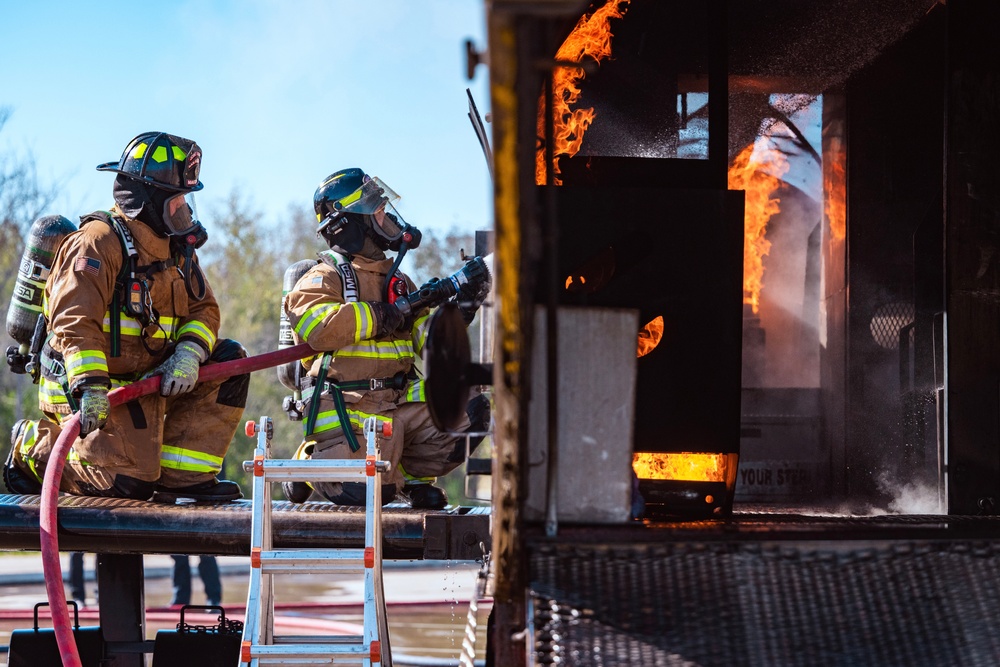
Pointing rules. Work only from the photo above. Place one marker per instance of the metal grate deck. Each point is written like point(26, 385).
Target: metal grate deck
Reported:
point(889, 601)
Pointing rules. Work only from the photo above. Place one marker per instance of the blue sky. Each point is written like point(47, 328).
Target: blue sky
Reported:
point(278, 93)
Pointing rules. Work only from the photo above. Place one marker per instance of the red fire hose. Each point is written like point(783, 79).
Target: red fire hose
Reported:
point(57, 461)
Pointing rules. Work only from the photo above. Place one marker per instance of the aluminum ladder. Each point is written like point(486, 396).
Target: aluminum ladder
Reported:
point(260, 646)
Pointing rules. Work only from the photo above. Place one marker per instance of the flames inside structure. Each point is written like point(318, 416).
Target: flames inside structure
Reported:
point(788, 158)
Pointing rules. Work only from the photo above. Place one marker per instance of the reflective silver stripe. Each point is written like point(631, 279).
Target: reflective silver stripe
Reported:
point(415, 392)
point(314, 316)
point(199, 329)
point(130, 327)
point(86, 360)
point(410, 478)
point(419, 333)
point(326, 421)
point(370, 349)
point(51, 392)
point(179, 458)
point(364, 320)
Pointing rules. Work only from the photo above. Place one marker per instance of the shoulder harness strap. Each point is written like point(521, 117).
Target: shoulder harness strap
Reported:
point(347, 274)
point(131, 291)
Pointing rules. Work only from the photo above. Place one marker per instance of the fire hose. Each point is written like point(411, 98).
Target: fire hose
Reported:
point(57, 461)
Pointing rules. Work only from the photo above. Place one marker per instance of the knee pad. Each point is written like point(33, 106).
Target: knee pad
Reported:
point(227, 349)
point(234, 391)
point(478, 410)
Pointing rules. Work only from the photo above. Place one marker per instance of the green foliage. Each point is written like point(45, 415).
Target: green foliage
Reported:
point(22, 200)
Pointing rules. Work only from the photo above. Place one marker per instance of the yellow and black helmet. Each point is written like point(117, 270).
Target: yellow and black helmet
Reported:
point(160, 160)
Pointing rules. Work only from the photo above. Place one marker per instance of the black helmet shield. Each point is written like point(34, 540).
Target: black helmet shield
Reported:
point(351, 206)
point(157, 176)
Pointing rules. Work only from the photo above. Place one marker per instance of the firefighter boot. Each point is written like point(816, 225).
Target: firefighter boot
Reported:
point(212, 491)
point(14, 478)
point(424, 496)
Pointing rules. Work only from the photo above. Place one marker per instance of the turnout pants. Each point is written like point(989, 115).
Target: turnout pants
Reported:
point(175, 441)
point(417, 449)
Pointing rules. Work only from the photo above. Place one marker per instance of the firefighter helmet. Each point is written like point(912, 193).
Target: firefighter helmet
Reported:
point(351, 205)
point(160, 160)
point(347, 191)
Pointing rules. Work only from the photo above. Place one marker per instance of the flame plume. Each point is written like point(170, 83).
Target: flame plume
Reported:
point(590, 37)
point(756, 171)
point(689, 466)
point(835, 189)
point(649, 336)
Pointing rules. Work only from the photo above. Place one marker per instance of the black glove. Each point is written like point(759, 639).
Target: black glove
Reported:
point(472, 295)
point(388, 318)
point(94, 409)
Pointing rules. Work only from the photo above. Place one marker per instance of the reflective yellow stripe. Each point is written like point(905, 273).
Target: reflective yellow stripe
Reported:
point(86, 360)
point(410, 478)
point(327, 421)
point(364, 321)
point(51, 392)
point(179, 154)
point(139, 150)
point(415, 392)
point(128, 326)
point(159, 154)
point(419, 333)
point(370, 349)
point(179, 458)
point(314, 316)
point(75, 457)
point(28, 437)
point(199, 329)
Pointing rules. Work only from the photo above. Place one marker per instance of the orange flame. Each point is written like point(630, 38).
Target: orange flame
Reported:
point(835, 188)
point(590, 37)
point(756, 171)
point(685, 466)
point(649, 336)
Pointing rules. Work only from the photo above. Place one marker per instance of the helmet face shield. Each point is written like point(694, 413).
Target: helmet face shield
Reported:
point(180, 215)
point(369, 198)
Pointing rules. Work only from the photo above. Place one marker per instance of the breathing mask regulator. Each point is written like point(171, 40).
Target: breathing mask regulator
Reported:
point(354, 209)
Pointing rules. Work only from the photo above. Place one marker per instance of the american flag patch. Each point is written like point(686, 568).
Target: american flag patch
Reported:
point(87, 265)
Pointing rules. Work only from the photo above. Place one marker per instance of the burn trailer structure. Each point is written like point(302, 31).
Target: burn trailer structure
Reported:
point(892, 356)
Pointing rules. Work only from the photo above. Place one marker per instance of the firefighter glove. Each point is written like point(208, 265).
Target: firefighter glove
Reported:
point(94, 409)
point(388, 318)
point(180, 370)
point(472, 295)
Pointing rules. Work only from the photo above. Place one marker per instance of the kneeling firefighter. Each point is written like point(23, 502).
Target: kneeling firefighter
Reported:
point(126, 299)
point(353, 307)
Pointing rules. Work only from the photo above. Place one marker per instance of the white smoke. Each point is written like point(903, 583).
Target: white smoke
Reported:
point(912, 497)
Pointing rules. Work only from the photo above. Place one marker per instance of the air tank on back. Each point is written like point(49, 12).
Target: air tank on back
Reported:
point(286, 372)
point(44, 237)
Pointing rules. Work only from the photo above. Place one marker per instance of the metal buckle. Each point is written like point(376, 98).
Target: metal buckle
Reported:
point(376, 384)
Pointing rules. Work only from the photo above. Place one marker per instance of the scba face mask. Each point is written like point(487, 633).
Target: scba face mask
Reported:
point(180, 219)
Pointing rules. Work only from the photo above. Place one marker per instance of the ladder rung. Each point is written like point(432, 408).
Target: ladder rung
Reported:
point(296, 561)
point(318, 639)
point(338, 470)
point(303, 651)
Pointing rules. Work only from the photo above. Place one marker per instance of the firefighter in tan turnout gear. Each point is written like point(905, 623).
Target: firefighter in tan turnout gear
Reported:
point(126, 299)
point(343, 307)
